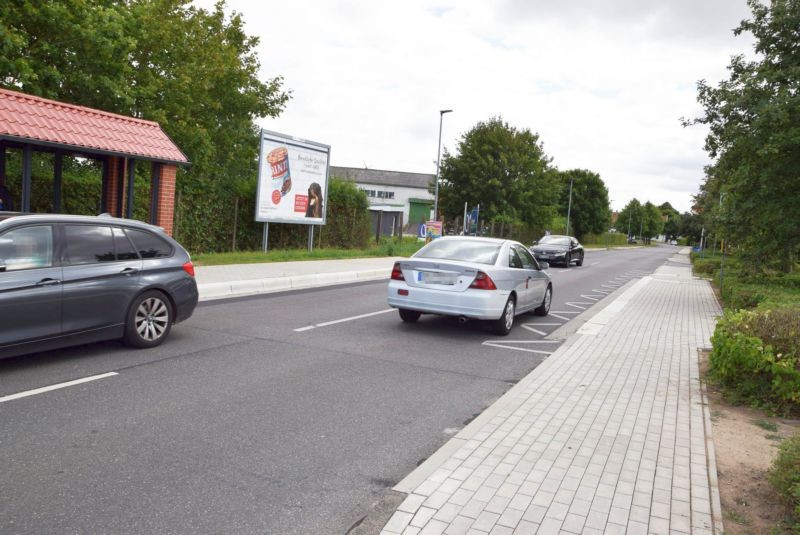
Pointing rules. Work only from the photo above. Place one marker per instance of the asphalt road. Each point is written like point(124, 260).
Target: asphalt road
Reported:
point(286, 413)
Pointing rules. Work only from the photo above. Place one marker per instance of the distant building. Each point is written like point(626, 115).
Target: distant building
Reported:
point(393, 192)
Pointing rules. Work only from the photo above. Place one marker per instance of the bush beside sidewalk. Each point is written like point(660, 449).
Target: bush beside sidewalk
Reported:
point(755, 357)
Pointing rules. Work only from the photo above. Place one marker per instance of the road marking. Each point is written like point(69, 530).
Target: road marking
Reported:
point(334, 322)
point(547, 324)
point(560, 317)
point(503, 346)
point(564, 312)
point(589, 297)
point(55, 387)
point(537, 331)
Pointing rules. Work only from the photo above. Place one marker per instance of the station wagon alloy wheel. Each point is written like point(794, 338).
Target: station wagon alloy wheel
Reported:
point(152, 319)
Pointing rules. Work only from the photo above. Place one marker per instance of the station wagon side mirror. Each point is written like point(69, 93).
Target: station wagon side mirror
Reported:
point(544, 265)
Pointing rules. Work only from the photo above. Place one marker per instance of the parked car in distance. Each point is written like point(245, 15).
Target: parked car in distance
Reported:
point(673, 242)
point(471, 278)
point(67, 280)
point(557, 249)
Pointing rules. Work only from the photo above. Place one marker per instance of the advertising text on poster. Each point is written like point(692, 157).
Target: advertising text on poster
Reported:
point(292, 180)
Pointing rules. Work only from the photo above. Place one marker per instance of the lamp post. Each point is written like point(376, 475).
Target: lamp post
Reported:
point(438, 157)
point(569, 206)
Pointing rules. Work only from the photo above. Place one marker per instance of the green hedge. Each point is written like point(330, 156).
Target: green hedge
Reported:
point(755, 358)
point(785, 477)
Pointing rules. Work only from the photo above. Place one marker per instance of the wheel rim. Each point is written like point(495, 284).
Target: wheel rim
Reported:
point(509, 317)
point(152, 319)
point(548, 296)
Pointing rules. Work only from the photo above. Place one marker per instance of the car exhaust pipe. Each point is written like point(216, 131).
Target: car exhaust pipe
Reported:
point(462, 320)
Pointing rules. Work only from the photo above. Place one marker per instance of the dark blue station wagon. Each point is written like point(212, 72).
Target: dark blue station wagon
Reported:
point(67, 280)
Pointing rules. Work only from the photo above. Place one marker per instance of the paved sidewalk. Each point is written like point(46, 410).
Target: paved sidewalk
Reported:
point(609, 435)
point(215, 282)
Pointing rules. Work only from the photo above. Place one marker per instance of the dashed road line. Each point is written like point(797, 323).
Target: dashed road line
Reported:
point(56, 387)
point(334, 322)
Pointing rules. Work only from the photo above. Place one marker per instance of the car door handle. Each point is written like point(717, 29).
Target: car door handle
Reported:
point(48, 282)
point(129, 271)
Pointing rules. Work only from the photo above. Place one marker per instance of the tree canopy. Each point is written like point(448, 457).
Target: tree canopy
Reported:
point(503, 169)
point(589, 211)
point(751, 190)
point(195, 71)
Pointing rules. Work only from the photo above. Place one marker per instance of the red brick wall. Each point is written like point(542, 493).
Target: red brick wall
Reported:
point(113, 185)
point(166, 194)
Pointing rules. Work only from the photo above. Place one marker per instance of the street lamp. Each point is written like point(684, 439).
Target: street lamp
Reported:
point(438, 157)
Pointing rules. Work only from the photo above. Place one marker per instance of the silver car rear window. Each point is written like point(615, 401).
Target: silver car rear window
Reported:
point(462, 250)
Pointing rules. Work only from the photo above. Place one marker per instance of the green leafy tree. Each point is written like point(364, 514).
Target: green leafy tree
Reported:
point(195, 71)
point(672, 223)
point(751, 191)
point(590, 207)
point(503, 169)
point(630, 218)
point(652, 221)
point(691, 227)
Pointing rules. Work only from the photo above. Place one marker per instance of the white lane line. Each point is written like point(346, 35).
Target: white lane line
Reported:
point(334, 322)
point(55, 387)
point(547, 324)
point(560, 317)
point(589, 297)
point(564, 312)
point(537, 331)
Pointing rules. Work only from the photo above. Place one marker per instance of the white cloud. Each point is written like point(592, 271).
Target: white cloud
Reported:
point(603, 83)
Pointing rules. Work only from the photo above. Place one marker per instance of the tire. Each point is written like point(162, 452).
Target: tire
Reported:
point(504, 324)
point(568, 260)
point(150, 319)
point(580, 261)
point(409, 316)
point(544, 308)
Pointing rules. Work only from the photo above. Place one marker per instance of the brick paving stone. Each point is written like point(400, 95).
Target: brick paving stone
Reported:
point(607, 434)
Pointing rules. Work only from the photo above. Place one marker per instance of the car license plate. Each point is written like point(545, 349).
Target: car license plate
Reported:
point(438, 278)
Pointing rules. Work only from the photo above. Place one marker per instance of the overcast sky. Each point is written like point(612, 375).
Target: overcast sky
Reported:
point(603, 83)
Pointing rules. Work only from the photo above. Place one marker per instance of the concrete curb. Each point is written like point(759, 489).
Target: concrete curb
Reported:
point(241, 288)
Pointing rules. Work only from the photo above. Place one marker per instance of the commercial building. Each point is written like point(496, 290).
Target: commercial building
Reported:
point(394, 193)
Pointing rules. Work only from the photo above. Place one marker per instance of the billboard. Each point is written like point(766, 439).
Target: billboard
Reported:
point(292, 180)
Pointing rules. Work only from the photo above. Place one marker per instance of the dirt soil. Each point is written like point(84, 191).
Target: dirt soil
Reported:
point(746, 442)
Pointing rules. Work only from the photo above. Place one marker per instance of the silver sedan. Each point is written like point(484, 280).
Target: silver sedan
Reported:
point(471, 278)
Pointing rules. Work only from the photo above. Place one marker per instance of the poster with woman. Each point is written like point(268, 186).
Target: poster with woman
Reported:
point(292, 180)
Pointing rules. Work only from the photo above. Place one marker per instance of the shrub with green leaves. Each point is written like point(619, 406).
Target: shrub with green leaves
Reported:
point(785, 475)
point(756, 358)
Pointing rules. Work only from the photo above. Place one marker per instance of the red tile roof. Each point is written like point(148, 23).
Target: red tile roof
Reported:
point(26, 117)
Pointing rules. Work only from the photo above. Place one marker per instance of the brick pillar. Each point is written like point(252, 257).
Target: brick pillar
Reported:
point(166, 197)
point(113, 185)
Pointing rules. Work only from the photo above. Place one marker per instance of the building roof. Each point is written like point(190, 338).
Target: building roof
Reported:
point(39, 121)
point(384, 178)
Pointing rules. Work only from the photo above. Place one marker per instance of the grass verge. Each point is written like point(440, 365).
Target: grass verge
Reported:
point(387, 247)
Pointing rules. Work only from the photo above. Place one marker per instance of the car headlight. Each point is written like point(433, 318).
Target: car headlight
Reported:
point(560, 254)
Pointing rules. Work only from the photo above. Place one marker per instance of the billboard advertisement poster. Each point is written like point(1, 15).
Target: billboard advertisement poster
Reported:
point(292, 180)
point(433, 229)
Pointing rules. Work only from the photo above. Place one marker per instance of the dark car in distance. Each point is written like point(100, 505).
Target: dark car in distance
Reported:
point(557, 249)
point(67, 280)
